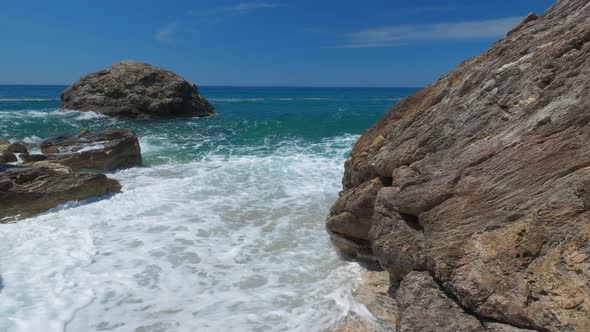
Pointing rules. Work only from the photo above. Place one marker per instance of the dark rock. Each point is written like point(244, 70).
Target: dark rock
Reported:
point(103, 151)
point(136, 89)
point(31, 158)
point(6, 146)
point(7, 157)
point(490, 175)
point(25, 191)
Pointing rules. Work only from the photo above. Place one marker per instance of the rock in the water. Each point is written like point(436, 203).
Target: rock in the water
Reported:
point(7, 157)
point(9, 150)
point(103, 151)
point(7, 147)
point(136, 89)
point(25, 191)
point(488, 180)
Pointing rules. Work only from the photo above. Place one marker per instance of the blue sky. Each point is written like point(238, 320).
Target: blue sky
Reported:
point(286, 43)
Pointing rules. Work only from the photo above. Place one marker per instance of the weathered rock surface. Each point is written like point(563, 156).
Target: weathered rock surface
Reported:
point(8, 151)
point(136, 89)
point(486, 184)
point(103, 151)
point(26, 191)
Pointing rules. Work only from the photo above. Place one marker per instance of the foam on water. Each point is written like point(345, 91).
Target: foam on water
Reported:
point(225, 243)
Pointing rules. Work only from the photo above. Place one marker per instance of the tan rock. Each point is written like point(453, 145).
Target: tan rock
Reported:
point(490, 179)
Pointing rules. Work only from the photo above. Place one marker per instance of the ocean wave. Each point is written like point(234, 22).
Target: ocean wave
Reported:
point(190, 231)
point(88, 115)
point(235, 100)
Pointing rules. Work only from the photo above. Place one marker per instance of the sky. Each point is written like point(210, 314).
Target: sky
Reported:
point(380, 43)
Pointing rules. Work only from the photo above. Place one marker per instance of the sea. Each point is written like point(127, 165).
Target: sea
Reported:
point(221, 229)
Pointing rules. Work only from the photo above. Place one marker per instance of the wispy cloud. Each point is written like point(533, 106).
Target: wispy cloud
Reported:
point(238, 9)
point(246, 7)
point(389, 36)
point(166, 33)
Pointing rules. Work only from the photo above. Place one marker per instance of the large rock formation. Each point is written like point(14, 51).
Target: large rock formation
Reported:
point(102, 151)
point(483, 184)
point(26, 191)
point(136, 89)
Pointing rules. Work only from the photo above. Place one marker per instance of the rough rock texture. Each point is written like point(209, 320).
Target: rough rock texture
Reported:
point(103, 151)
point(136, 89)
point(26, 191)
point(486, 179)
point(8, 150)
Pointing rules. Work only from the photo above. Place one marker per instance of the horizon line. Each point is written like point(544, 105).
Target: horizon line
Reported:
point(255, 86)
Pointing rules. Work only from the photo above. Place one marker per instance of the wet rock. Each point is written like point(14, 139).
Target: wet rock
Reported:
point(50, 165)
point(374, 294)
point(31, 158)
point(102, 151)
point(7, 157)
point(6, 146)
point(26, 191)
point(490, 180)
point(136, 89)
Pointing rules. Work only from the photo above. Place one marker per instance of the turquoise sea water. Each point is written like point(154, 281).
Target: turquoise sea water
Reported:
point(223, 229)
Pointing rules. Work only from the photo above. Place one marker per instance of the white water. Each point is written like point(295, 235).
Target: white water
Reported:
point(223, 244)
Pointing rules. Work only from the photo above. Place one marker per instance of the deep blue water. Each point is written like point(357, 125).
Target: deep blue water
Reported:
point(257, 117)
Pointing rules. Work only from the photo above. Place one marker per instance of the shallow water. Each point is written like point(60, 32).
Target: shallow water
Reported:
point(222, 230)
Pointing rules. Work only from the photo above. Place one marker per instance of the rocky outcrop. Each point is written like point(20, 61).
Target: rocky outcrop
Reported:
point(486, 184)
point(27, 191)
point(9, 150)
point(135, 89)
point(102, 151)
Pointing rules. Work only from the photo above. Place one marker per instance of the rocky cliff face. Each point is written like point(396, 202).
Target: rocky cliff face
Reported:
point(481, 182)
point(136, 89)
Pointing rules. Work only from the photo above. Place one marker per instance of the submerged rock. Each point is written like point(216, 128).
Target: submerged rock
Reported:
point(486, 185)
point(136, 89)
point(27, 191)
point(102, 151)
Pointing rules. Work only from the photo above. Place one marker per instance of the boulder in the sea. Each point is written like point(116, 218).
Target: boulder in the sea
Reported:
point(102, 151)
point(27, 191)
point(7, 157)
point(135, 89)
point(486, 196)
point(9, 150)
point(17, 147)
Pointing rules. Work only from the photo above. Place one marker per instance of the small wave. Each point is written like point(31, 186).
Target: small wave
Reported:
point(27, 99)
point(315, 98)
point(236, 100)
point(283, 99)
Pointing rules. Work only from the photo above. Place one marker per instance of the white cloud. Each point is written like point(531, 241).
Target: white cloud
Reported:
point(246, 7)
point(402, 34)
point(165, 34)
point(238, 9)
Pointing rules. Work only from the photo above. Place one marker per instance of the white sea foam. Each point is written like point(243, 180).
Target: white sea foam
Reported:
point(221, 244)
